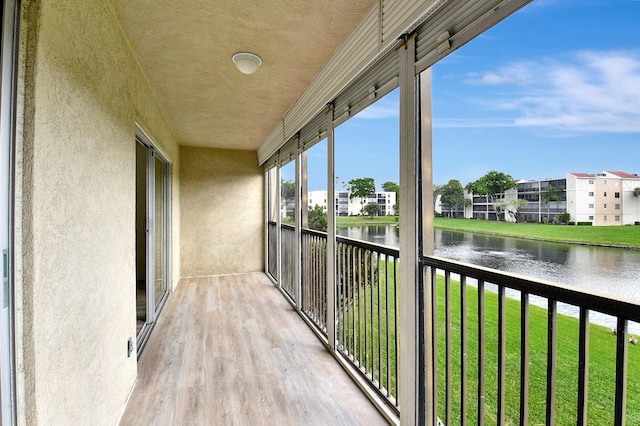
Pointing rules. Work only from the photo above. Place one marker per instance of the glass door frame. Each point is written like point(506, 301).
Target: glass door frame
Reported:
point(153, 309)
point(10, 13)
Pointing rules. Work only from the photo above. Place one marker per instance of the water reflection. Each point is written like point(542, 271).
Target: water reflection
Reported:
point(598, 269)
point(386, 235)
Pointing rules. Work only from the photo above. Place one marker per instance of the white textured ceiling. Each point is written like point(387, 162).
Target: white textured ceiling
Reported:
point(185, 49)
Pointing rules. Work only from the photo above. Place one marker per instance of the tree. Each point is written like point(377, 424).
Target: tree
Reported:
point(318, 218)
point(288, 197)
point(493, 185)
point(550, 194)
point(514, 206)
point(362, 187)
point(371, 209)
point(636, 192)
point(389, 186)
point(452, 196)
point(287, 189)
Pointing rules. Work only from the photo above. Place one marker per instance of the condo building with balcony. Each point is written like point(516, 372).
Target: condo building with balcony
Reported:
point(347, 206)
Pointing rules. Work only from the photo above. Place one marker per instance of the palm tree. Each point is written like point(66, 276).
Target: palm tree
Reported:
point(550, 194)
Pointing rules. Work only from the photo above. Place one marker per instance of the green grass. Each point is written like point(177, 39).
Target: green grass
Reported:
point(365, 220)
point(601, 364)
point(628, 236)
point(601, 358)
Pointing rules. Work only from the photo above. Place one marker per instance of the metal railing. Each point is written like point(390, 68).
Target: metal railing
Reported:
point(366, 301)
point(272, 236)
point(366, 307)
point(314, 277)
point(506, 360)
point(288, 259)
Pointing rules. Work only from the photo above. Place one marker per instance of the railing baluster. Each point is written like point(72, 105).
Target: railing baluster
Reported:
point(463, 350)
point(622, 348)
point(386, 304)
point(364, 264)
point(434, 343)
point(583, 367)
point(481, 353)
point(379, 279)
point(524, 359)
point(551, 361)
point(447, 331)
point(395, 325)
point(371, 307)
point(502, 352)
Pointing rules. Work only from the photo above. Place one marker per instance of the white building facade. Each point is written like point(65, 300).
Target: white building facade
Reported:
point(346, 206)
point(603, 199)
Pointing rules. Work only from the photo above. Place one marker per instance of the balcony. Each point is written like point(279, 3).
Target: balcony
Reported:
point(231, 350)
point(495, 347)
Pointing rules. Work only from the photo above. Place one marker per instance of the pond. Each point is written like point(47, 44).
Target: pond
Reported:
point(599, 269)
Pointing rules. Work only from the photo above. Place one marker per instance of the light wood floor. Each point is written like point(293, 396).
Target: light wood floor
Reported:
point(229, 350)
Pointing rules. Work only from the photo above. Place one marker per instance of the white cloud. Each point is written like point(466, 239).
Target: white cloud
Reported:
point(585, 91)
point(384, 108)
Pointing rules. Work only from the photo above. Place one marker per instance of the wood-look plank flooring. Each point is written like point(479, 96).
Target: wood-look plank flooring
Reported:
point(230, 350)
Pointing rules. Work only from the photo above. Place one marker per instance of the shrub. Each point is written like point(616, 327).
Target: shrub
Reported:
point(585, 223)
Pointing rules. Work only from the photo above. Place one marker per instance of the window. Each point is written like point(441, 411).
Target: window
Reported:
point(617, 206)
point(590, 217)
point(617, 195)
point(605, 193)
point(591, 206)
point(591, 181)
point(617, 218)
point(617, 184)
point(605, 218)
point(605, 206)
point(590, 194)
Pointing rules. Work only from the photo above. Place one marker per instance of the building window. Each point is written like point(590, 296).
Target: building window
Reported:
point(590, 194)
point(605, 193)
point(590, 217)
point(591, 206)
point(617, 184)
point(605, 218)
point(617, 218)
point(617, 195)
point(605, 206)
point(591, 181)
point(617, 206)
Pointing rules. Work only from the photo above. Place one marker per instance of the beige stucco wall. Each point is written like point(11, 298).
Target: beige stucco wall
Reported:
point(82, 93)
point(222, 205)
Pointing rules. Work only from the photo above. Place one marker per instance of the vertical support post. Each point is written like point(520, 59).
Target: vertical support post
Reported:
point(297, 275)
point(278, 178)
point(427, 387)
point(303, 298)
point(267, 187)
point(304, 194)
point(409, 248)
point(331, 233)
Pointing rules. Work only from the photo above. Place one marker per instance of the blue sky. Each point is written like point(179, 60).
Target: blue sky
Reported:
point(553, 89)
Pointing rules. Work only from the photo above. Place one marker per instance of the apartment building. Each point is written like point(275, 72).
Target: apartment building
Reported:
point(605, 199)
point(346, 206)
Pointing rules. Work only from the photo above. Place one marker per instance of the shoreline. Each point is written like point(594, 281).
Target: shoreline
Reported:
point(580, 243)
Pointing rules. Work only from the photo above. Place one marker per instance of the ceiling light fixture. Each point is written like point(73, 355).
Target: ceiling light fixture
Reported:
point(247, 63)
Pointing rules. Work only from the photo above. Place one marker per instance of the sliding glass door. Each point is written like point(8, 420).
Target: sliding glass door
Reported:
point(152, 236)
point(9, 19)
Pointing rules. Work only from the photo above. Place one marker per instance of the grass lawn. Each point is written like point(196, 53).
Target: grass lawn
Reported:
point(601, 358)
point(365, 220)
point(609, 235)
